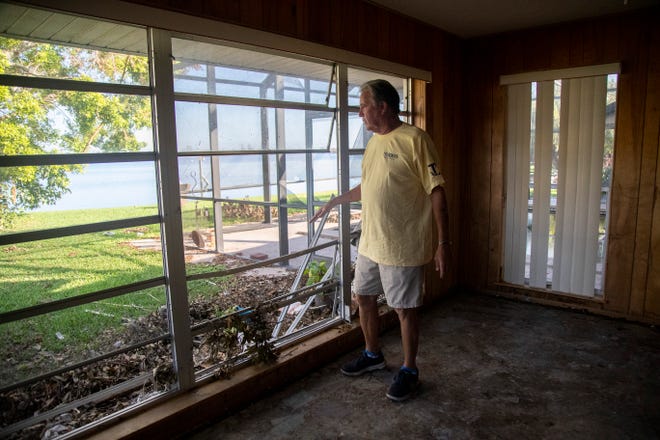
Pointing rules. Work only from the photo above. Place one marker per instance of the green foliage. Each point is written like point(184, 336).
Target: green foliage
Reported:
point(315, 271)
point(37, 121)
point(240, 330)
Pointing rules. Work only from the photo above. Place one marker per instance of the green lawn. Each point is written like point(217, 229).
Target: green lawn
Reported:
point(38, 272)
point(43, 271)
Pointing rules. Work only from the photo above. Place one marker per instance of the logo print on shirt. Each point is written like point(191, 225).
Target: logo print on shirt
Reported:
point(388, 155)
point(434, 171)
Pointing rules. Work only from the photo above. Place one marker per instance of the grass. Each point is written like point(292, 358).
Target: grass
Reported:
point(42, 271)
point(39, 272)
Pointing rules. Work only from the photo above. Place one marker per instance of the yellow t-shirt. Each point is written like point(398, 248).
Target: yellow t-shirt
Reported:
point(399, 171)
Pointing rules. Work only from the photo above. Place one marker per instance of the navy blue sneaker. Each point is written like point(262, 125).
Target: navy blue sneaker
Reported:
point(363, 364)
point(403, 386)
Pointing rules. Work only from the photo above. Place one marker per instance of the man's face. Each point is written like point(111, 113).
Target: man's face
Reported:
point(370, 112)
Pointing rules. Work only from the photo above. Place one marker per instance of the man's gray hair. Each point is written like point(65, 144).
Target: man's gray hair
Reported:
point(383, 91)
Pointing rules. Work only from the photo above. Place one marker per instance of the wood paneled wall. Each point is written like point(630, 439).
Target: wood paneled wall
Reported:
point(355, 25)
point(632, 286)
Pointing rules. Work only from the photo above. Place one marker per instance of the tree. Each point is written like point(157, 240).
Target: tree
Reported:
point(37, 121)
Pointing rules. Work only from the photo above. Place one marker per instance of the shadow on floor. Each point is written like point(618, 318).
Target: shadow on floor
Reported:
point(490, 368)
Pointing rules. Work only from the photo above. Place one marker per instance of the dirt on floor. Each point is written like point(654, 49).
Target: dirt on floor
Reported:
point(490, 368)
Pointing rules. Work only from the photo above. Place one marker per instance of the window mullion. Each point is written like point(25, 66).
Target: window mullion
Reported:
point(343, 174)
point(252, 102)
point(72, 85)
point(174, 261)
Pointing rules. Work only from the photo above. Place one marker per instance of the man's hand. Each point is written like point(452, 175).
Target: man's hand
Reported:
point(351, 196)
point(442, 256)
point(321, 212)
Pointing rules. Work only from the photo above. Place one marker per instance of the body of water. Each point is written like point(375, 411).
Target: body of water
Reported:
point(111, 185)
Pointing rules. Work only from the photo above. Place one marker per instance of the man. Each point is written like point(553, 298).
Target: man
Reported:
point(401, 191)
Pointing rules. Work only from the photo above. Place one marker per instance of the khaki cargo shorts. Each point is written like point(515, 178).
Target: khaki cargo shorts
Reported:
point(402, 285)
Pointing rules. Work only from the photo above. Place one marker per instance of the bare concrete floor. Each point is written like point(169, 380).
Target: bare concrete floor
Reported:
point(490, 368)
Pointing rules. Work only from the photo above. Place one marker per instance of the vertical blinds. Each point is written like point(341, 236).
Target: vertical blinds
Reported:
point(582, 137)
point(530, 256)
point(517, 185)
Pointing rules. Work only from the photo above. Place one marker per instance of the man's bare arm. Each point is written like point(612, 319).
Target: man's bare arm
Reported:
point(353, 195)
point(441, 217)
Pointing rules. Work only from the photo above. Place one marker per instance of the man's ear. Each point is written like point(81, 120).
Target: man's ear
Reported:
point(382, 108)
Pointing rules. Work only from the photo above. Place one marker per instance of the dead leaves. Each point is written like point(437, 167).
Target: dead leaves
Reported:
point(250, 332)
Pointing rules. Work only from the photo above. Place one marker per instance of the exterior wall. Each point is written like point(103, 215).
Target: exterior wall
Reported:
point(632, 285)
